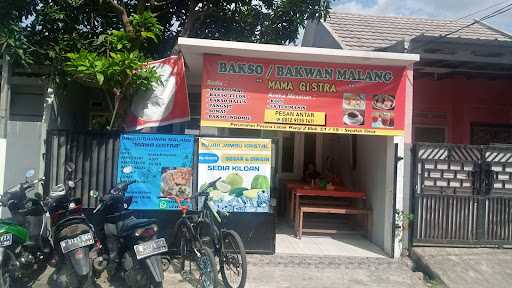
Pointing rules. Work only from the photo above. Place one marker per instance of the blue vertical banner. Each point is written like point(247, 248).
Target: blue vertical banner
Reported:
point(162, 166)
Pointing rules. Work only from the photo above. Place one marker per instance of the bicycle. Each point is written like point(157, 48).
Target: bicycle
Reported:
point(191, 247)
point(226, 244)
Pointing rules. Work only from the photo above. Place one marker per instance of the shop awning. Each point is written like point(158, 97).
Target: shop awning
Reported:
point(194, 49)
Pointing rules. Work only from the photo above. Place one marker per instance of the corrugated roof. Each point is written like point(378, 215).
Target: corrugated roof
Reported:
point(370, 32)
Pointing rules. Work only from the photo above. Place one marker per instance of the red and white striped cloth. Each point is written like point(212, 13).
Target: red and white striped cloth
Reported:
point(167, 103)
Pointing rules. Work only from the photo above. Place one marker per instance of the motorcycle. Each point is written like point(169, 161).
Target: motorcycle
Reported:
point(132, 244)
point(73, 236)
point(24, 247)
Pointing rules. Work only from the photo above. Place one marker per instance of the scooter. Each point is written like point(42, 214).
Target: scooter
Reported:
point(24, 246)
point(73, 236)
point(132, 245)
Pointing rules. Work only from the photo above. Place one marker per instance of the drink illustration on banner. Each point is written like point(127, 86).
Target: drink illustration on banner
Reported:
point(244, 166)
point(383, 115)
point(354, 107)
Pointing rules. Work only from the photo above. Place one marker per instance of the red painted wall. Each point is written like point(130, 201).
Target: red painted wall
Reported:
point(463, 101)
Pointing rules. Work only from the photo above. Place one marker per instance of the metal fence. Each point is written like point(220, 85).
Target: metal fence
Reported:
point(462, 194)
point(94, 155)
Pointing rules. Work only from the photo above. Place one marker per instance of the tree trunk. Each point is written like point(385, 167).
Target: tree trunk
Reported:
point(124, 17)
point(189, 24)
point(191, 19)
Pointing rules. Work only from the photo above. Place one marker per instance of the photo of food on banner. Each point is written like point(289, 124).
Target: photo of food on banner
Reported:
point(176, 182)
point(383, 115)
point(354, 107)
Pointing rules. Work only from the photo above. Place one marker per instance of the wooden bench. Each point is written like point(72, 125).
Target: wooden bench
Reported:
point(328, 209)
point(312, 200)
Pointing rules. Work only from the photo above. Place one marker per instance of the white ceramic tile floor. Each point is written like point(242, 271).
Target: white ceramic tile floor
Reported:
point(344, 243)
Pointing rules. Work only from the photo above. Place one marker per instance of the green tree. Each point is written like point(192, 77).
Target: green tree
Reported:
point(12, 39)
point(114, 63)
point(76, 38)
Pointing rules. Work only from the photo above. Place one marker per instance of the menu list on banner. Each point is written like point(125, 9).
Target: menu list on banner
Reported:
point(162, 166)
point(270, 94)
point(244, 168)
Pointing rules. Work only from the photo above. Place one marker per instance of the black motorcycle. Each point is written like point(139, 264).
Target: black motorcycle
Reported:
point(73, 236)
point(132, 247)
point(24, 245)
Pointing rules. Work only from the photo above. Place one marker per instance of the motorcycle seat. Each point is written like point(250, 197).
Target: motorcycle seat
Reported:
point(9, 220)
point(127, 226)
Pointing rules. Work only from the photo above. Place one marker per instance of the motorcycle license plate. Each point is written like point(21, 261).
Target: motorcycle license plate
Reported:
point(77, 242)
point(150, 248)
point(5, 240)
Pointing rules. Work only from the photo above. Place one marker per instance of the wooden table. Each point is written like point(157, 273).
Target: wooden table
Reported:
point(290, 187)
point(298, 191)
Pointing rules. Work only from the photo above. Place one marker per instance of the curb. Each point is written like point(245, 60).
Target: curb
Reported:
point(422, 266)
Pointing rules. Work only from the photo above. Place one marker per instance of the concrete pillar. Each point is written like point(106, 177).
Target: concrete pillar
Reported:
point(403, 167)
point(4, 119)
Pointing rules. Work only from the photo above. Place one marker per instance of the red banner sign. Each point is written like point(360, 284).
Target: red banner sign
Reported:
point(302, 96)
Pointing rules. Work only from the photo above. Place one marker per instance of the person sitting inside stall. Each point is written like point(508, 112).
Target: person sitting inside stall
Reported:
point(330, 172)
point(310, 173)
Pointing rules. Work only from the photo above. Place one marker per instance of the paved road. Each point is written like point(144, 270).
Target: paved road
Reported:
point(467, 267)
point(310, 271)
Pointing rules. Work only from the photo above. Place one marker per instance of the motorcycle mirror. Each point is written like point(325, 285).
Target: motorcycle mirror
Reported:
point(70, 167)
point(94, 193)
point(30, 173)
point(127, 169)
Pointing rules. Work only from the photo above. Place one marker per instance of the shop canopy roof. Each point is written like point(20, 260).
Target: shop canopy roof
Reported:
point(194, 49)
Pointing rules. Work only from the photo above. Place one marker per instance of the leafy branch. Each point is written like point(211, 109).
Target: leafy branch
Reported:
point(402, 221)
point(14, 44)
point(115, 64)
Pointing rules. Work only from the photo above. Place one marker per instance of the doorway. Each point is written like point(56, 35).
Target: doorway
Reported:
point(362, 163)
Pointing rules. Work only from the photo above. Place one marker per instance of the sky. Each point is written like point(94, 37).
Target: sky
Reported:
point(444, 9)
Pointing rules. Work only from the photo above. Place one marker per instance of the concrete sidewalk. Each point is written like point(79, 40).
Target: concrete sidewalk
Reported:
point(466, 267)
point(307, 271)
point(314, 271)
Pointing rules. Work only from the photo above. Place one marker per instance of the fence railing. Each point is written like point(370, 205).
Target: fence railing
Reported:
point(94, 155)
point(446, 217)
point(498, 221)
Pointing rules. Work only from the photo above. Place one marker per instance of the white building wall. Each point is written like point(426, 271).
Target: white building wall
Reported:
point(374, 175)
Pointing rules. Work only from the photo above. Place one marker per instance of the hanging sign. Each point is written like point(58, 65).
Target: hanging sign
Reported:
point(162, 166)
point(269, 94)
point(243, 169)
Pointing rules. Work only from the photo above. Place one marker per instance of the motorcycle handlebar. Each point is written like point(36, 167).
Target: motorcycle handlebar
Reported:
point(121, 187)
point(42, 179)
point(210, 185)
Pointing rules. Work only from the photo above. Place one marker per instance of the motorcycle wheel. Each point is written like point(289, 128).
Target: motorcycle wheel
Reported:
point(138, 276)
point(69, 279)
point(7, 279)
